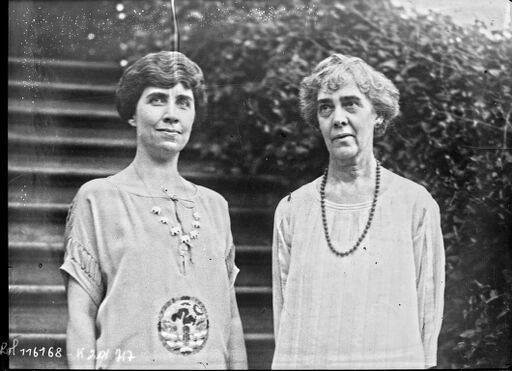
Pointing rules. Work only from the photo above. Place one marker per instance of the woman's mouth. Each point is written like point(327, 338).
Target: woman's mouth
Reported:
point(341, 137)
point(169, 131)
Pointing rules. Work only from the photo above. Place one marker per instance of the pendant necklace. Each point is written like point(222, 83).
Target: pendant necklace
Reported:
point(368, 223)
point(177, 230)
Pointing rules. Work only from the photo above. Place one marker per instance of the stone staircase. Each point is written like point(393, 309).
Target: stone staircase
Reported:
point(63, 131)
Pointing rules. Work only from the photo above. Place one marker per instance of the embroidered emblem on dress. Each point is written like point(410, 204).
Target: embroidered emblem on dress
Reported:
point(183, 325)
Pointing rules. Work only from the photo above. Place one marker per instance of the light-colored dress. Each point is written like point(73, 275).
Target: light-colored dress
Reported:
point(150, 314)
point(380, 307)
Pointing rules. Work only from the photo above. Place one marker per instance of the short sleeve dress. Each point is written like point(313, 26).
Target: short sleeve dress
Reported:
point(151, 313)
point(380, 307)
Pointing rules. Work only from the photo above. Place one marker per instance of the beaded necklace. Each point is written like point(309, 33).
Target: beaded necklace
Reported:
point(185, 246)
point(368, 223)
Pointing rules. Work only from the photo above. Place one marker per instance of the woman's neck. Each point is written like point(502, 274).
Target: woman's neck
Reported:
point(351, 171)
point(156, 175)
point(351, 181)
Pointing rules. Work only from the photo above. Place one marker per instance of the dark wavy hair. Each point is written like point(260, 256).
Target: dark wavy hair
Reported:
point(164, 69)
point(338, 69)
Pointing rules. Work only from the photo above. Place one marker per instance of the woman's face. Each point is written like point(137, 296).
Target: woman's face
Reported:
point(346, 119)
point(163, 118)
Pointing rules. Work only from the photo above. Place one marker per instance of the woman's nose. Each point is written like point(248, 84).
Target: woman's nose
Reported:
point(170, 114)
point(340, 118)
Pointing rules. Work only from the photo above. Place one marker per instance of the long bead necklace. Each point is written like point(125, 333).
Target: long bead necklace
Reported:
point(185, 245)
point(368, 223)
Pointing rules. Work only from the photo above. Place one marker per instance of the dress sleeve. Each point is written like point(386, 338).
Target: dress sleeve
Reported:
point(281, 245)
point(430, 258)
point(230, 264)
point(81, 254)
point(230, 251)
point(236, 346)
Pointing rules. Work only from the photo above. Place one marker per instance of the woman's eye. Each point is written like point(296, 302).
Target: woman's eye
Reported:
point(324, 109)
point(350, 104)
point(156, 100)
point(183, 102)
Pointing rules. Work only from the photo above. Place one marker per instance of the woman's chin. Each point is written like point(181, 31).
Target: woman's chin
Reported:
point(167, 151)
point(343, 154)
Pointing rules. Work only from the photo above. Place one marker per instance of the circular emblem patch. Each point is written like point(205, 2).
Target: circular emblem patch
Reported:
point(183, 325)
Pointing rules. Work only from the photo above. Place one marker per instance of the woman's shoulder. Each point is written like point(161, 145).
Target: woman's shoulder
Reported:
point(94, 192)
point(407, 189)
point(298, 198)
point(96, 187)
point(210, 195)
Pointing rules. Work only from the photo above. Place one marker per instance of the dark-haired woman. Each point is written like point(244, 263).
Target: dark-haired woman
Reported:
point(358, 257)
point(149, 261)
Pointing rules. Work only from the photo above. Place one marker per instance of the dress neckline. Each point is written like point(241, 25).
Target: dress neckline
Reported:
point(127, 181)
point(315, 190)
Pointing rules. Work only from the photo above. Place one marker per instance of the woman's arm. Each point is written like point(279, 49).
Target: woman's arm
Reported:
point(431, 281)
point(280, 261)
point(237, 352)
point(81, 333)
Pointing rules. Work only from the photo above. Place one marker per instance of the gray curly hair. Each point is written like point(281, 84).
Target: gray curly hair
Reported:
point(334, 72)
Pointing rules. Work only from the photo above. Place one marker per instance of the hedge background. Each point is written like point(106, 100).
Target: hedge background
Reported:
point(453, 135)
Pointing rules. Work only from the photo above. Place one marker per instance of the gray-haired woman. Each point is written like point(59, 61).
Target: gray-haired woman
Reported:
point(358, 257)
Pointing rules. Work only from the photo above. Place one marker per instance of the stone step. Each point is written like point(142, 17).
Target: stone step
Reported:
point(26, 127)
point(99, 111)
point(40, 141)
point(61, 91)
point(38, 231)
point(27, 303)
point(90, 72)
point(43, 149)
point(32, 263)
point(41, 116)
point(260, 348)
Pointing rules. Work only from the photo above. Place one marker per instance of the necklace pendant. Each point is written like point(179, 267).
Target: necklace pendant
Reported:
point(164, 220)
point(156, 210)
point(196, 215)
point(194, 234)
point(176, 230)
point(185, 238)
point(183, 249)
point(196, 224)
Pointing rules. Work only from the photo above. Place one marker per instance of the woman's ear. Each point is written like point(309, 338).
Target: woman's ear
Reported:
point(379, 127)
point(132, 122)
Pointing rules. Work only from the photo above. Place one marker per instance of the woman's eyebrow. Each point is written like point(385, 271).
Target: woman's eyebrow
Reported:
point(324, 100)
point(350, 98)
point(183, 96)
point(157, 94)
point(345, 98)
